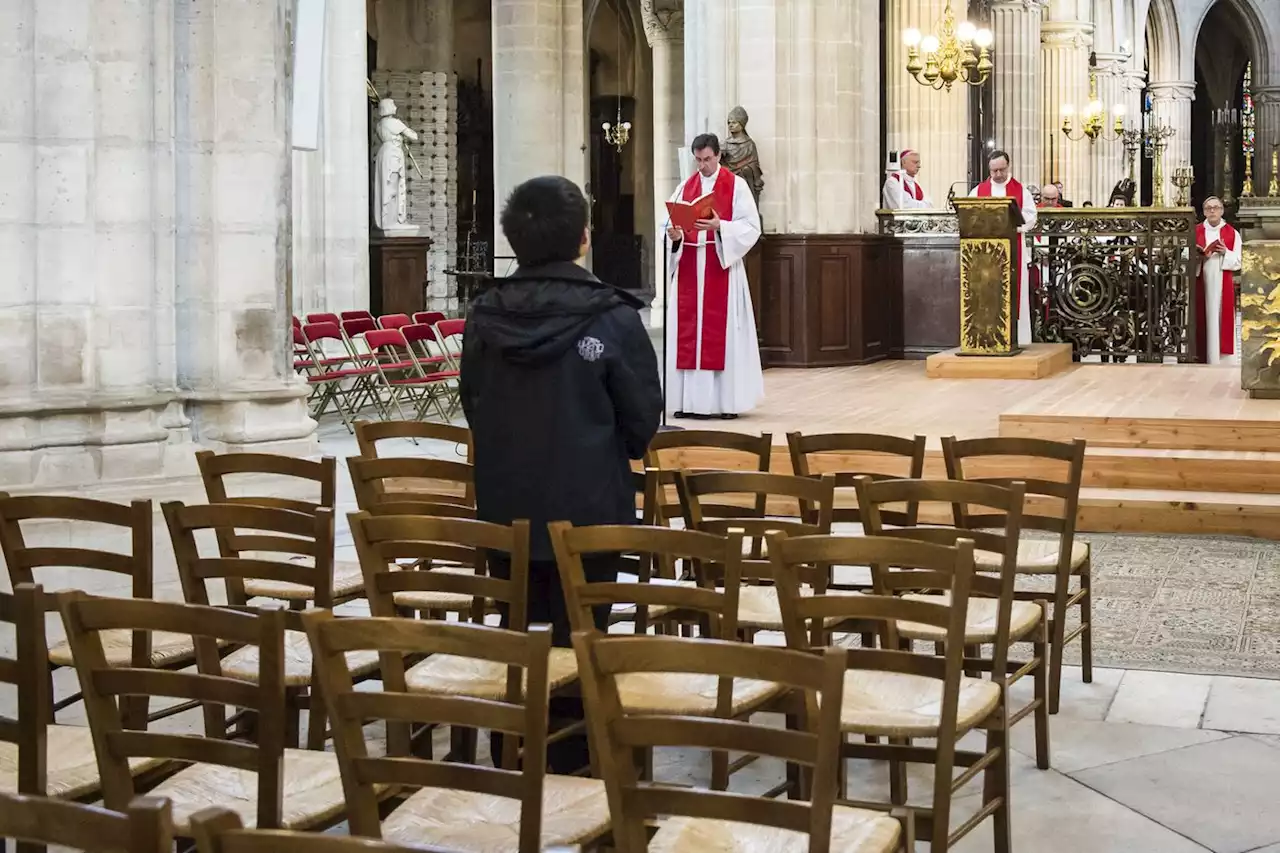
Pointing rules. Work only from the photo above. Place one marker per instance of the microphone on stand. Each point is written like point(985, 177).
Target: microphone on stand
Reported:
point(951, 193)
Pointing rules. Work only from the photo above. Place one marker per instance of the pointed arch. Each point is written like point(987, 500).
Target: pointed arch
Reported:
point(1252, 33)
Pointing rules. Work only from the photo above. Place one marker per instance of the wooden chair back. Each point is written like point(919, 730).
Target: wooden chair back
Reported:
point(411, 479)
point(217, 468)
point(617, 734)
point(522, 713)
point(219, 830)
point(369, 433)
point(400, 553)
point(850, 455)
point(87, 616)
point(673, 451)
point(659, 546)
point(27, 673)
point(300, 546)
point(144, 826)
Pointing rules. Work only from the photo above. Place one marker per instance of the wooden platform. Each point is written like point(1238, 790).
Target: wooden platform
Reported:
point(1036, 361)
point(1172, 448)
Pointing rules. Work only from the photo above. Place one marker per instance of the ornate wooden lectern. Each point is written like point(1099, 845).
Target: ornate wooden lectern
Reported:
point(990, 274)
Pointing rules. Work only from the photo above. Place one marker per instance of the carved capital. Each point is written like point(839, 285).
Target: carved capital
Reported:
point(1266, 94)
point(1066, 35)
point(1018, 5)
point(663, 20)
point(1173, 90)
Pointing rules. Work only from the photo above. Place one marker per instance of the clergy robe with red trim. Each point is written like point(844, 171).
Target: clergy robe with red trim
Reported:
point(1022, 298)
point(1215, 294)
point(713, 358)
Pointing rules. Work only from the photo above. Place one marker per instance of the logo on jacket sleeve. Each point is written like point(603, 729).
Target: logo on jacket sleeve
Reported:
point(590, 349)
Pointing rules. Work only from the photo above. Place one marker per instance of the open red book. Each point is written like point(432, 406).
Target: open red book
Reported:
point(1209, 249)
point(684, 214)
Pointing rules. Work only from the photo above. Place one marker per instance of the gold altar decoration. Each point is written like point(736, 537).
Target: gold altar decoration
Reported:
point(950, 54)
point(1247, 190)
point(1260, 318)
point(986, 320)
point(1273, 188)
point(1183, 177)
point(1091, 120)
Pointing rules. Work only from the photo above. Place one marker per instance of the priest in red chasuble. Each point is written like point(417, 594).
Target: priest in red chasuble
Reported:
point(713, 358)
point(1219, 246)
point(1000, 183)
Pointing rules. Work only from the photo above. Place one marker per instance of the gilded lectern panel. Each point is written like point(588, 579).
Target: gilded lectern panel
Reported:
point(989, 272)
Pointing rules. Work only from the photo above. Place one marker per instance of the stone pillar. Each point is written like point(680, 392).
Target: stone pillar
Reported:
point(711, 63)
point(1266, 101)
point(330, 189)
point(1065, 63)
point(233, 225)
point(1134, 83)
point(1108, 165)
point(935, 123)
point(665, 32)
point(1018, 96)
point(1171, 105)
point(539, 98)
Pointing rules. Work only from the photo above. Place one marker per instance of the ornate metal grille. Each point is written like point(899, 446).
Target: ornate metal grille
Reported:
point(1115, 282)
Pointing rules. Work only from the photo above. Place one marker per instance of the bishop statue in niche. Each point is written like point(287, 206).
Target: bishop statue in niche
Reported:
point(390, 184)
point(740, 155)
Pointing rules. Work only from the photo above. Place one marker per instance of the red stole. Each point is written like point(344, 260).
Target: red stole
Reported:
point(1012, 190)
point(914, 190)
point(1227, 316)
point(714, 326)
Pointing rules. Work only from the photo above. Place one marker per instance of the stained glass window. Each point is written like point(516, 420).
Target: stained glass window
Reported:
point(1246, 114)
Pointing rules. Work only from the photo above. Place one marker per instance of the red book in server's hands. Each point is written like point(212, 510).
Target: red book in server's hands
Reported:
point(684, 214)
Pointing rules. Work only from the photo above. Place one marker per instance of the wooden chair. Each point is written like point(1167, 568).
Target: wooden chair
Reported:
point(264, 782)
point(640, 566)
point(891, 694)
point(1053, 507)
point(215, 469)
point(991, 517)
point(369, 433)
point(32, 564)
point(38, 757)
point(218, 830)
point(462, 806)
point(411, 479)
point(691, 818)
point(301, 545)
point(670, 452)
point(145, 825)
point(725, 501)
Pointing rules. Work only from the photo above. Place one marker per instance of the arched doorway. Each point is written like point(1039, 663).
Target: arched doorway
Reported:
point(1226, 47)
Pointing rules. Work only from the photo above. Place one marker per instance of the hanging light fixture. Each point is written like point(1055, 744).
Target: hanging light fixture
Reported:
point(618, 133)
point(955, 53)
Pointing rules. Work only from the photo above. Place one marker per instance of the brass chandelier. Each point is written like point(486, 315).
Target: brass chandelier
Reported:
point(957, 52)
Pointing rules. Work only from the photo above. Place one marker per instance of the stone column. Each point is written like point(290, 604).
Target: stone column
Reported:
point(233, 227)
point(1065, 62)
point(1019, 99)
point(1109, 165)
point(330, 187)
point(1266, 101)
point(1171, 105)
point(665, 32)
point(935, 123)
point(1134, 83)
point(711, 62)
point(539, 98)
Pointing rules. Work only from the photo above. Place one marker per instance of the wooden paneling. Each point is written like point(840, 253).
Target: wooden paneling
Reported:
point(930, 307)
point(398, 274)
point(828, 299)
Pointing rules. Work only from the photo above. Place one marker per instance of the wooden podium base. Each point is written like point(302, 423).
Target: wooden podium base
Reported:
point(1035, 361)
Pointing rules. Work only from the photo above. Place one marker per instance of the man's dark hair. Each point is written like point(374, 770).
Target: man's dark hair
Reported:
point(543, 220)
point(997, 154)
point(705, 140)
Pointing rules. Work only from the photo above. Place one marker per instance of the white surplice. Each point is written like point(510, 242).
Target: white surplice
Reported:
point(740, 386)
point(1028, 205)
point(899, 193)
point(1212, 267)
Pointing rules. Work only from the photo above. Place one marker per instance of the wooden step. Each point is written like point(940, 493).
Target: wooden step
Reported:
point(1162, 433)
point(1155, 511)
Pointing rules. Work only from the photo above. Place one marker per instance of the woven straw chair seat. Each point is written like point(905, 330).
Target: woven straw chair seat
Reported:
point(896, 704)
point(166, 649)
point(574, 811)
point(243, 662)
point(72, 766)
point(759, 608)
point(451, 601)
point(689, 693)
point(980, 621)
point(1035, 557)
point(312, 791)
point(852, 831)
point(480, 679)
point(348, 581)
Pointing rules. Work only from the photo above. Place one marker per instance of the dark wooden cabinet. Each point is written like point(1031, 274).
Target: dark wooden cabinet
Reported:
point(829, 299)
point(398, 274)
point(930, 312)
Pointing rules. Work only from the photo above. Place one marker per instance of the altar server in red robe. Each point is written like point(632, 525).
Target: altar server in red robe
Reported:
point(1001, 184)
point(1219, 246)
point(713, 358)
point(901, 189)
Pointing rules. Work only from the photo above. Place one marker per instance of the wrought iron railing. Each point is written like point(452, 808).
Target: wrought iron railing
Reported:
point(1115, 282)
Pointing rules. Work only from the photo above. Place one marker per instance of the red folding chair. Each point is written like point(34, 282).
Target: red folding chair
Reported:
point(437, 363)
point(356, 315)
point(449, 330)
point(406, 378)
point(322, 318)
point(347, 387)
point(428, 317)
point(353, 331)
point(394, 321)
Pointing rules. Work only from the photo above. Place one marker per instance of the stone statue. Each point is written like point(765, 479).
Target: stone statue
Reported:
point(390, 189)
point(740, 155)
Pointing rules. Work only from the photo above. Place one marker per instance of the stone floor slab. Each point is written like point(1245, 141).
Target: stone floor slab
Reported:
point(1220, 794)
point(1079, 701)
point(1243, 705)
point(1160, 699)
point(1081, 744)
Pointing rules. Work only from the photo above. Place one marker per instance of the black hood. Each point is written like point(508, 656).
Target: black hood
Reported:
point(534, 315)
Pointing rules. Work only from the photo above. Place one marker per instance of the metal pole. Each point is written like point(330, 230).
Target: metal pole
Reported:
point(666, 257)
